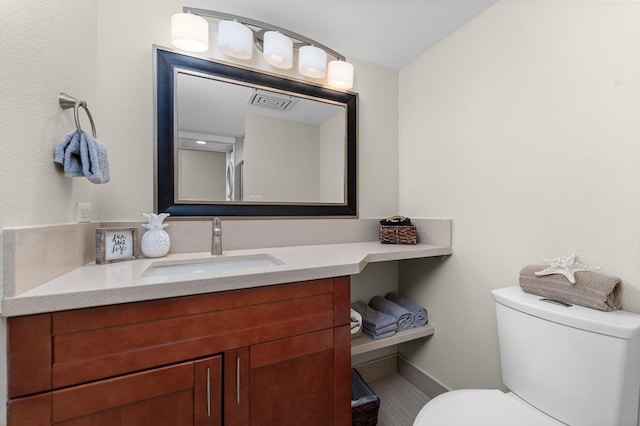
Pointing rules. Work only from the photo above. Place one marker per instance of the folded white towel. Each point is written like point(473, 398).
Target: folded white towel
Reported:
point(356, 321)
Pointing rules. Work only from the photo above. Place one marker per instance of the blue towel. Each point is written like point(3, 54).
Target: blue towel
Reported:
point(81, 155)
point(420, 317)
point(383, 330)
point(404, 318)
point(372, 319)
point(375, 336)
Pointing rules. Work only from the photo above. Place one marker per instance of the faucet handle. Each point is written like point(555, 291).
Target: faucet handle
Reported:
point(217, 225)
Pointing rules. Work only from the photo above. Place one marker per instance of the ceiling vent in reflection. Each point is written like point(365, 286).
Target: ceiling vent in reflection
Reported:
point(271, 100)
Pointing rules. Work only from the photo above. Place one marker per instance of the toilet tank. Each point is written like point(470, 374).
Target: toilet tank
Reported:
point(578, 365)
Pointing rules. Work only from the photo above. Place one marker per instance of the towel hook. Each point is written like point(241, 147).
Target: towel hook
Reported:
point(67, 102)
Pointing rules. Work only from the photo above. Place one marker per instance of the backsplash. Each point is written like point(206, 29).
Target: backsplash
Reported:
point(35, 255)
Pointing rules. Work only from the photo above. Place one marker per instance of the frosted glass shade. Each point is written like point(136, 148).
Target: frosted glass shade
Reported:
point(340, 75)
point(312, 62)
point(190, 32)
point(278, 50)
point(235, 39)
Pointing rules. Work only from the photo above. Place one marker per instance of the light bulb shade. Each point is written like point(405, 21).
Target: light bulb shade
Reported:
point(235, 39)
point(190, 32)
point(312, 62)
point(278, 50)
point(340, 75)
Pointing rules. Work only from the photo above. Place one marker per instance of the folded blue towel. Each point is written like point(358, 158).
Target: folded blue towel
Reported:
point(383, 330)
point(404, 318)
point(420, 317)
point(372, 319)
point(379, 336)
point(81, 155)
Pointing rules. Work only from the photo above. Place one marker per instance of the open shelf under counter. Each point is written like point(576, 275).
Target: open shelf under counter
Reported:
point(365, 343)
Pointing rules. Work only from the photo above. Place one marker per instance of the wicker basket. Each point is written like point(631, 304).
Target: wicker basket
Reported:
point(365, 414)
point(405, 234)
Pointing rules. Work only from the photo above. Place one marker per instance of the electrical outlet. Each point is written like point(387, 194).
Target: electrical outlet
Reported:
point(83, 212)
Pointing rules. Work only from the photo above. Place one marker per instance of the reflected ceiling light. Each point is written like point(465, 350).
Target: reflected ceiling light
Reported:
point(312, 62)
point(236, 36)
point(201, 142)
point(190, 32)
point(235, 39)
point(278, 50)
point(340, 75)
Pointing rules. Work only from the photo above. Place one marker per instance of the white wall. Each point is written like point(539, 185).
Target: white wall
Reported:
point(125, 111)
point(47, 48)
point(101, 52)
point(377, 139)
point(126, 33)
point(524, 128)
point(280, 160)
point(332, 155)
point(203, 174)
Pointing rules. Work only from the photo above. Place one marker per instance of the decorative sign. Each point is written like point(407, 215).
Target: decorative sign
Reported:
point(116, 244)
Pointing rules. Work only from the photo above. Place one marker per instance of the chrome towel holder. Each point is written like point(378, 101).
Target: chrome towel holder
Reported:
point(67, 101)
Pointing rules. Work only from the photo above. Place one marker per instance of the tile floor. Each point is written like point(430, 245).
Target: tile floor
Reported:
point(400, 401)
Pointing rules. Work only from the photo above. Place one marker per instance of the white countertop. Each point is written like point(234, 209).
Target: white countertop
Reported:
point(97, 285)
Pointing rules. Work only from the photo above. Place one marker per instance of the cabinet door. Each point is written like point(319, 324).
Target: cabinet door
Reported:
point(207, 410)
point(292, 381)
point(165, 396)
point(236, 387)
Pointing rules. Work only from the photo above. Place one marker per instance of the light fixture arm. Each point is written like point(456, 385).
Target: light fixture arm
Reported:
point(263, 27)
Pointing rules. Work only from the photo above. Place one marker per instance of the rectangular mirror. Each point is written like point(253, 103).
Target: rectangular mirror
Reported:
point(238, 142)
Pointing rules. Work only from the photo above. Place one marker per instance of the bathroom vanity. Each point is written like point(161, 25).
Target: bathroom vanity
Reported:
point(115, 344)
point(270, 355)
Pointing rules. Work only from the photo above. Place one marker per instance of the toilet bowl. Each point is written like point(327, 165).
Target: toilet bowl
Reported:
point(481, 407)
point(563, 365)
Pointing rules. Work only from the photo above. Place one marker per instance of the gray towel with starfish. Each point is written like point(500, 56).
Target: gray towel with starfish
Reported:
point(591, 289)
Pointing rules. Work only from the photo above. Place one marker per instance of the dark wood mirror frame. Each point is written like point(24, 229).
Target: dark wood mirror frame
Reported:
point(165, 61)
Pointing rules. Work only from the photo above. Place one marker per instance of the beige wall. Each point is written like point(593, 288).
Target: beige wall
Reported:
point(101, 52)
point(332, 154)
point(202, 174)
point(280, 160)
point(524, 128)
point(47, 48)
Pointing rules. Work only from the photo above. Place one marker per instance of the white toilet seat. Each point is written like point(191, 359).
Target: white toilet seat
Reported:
point(481, 407)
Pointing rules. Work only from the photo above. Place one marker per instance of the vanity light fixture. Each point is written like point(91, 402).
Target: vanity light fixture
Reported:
point(340, 75)
point(235, 39)
point(237, 35)
point(312, 62)
point(278, 50)
point(190, 32)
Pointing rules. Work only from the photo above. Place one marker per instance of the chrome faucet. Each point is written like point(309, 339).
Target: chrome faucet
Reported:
point(216, 237)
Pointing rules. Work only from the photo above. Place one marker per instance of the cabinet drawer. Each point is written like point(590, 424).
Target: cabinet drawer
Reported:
point(84, 345)
point(188, 393)
point(174, 382)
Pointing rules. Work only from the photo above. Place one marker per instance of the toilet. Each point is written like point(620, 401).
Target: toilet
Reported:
point(563, 365)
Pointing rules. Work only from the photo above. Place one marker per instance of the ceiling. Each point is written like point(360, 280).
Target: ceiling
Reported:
point(391, 33)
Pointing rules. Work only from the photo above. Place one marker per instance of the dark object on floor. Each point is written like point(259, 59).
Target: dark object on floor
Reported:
point(364, 402)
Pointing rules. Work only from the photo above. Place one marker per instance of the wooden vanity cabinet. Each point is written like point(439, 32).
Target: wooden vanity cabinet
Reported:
point(275, 355)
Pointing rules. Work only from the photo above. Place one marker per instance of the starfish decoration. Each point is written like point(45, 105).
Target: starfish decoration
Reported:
point(567, 266)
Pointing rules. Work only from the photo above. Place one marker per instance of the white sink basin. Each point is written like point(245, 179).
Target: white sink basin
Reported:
point(212, 264)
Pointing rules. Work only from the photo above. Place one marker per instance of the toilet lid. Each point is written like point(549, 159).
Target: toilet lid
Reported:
point(480, 407)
